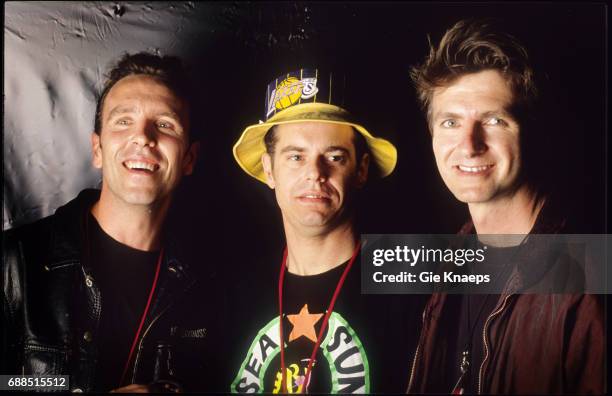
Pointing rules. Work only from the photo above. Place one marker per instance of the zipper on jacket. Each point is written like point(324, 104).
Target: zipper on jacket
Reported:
point(61, 264)
point(95, 292)
point(96, 302)
point(136, 360)
point(484, 339)
point(40, 348)
point(416, 353)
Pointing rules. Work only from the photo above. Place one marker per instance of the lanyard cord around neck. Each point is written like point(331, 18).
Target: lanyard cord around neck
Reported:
point(323, 325)
point(144, 316)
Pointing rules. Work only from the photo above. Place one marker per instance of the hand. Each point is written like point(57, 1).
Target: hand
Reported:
point(132, 388)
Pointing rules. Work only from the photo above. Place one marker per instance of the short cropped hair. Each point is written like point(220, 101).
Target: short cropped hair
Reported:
point(471, 46)
point(167, 69)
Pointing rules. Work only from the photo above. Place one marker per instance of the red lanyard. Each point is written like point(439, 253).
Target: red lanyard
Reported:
point(323, 325)
point(144, 316)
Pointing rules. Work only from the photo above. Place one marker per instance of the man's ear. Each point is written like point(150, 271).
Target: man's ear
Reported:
point(96, 150)
point(191, 157)
point(266, 162)
point(362, 170)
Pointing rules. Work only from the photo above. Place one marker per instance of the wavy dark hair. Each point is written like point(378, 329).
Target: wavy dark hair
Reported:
point(471, 46)
point(167, 69)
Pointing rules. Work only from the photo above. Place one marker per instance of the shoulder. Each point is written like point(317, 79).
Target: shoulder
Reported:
point(43, 235)
point(23, 249)
point(34, 238)
point(573, 308)
point(31, 251)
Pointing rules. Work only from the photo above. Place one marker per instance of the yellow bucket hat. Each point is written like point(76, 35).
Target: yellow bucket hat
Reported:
point(305, 96)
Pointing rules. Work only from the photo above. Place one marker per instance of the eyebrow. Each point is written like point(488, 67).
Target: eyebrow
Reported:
point(301, 149)
point(121, 110)
point(132, 109)
point(446, 114)
point(503, 113)
point(170, 114)
point(337, 148)
point(292, 148)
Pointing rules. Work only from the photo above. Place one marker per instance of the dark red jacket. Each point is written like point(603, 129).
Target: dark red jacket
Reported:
point(533, 343)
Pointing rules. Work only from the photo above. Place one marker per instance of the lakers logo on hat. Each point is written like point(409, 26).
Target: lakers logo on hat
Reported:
point(307, 95)
point(289, 92)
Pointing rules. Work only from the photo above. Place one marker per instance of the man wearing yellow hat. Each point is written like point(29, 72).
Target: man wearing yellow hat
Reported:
point(315, 157)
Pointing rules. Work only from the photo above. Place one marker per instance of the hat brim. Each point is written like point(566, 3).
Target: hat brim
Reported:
point(250, 147)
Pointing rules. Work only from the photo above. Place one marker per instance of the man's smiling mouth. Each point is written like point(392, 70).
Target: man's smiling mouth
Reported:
point(474, 169)
point(141, 166)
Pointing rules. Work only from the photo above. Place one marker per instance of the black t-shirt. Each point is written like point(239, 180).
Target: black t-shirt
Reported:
point(365, 348)
point(124, 276)
point(475, 308)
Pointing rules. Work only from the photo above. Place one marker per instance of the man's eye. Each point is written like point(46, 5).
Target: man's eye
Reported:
point(449, 124)
point(123, 122)
point(496, 121)
point(336, 158)
point(165, 125)
point(295, 157)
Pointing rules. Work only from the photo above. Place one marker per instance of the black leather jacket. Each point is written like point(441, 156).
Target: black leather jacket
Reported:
point(52, 306)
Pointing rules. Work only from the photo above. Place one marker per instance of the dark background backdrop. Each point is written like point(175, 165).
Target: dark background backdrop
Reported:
point(375, 45)
point(56, 55)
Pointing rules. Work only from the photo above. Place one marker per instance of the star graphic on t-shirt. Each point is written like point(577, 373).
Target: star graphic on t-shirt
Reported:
point(303, 324)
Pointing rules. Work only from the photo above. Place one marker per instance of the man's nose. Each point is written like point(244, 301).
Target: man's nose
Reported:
point(144, 134)
point(317, 169)
point(473, 140)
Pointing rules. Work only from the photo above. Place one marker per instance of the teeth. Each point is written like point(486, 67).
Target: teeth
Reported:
point(140, 165)
point(313, 196)
point(474, 169)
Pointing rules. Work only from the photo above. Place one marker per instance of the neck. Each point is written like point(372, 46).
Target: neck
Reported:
point(312, 254)
point(136, 226)
point(512, 214)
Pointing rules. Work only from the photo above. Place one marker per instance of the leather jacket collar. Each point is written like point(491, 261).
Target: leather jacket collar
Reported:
point(524, 275)
point(70, 236)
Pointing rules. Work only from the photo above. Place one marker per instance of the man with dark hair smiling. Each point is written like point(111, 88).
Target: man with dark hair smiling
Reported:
point(92, 291)
point(477, 89)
